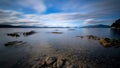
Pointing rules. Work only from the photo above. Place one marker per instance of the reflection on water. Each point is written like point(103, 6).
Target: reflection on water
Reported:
point(115, 31)
point(82, 51)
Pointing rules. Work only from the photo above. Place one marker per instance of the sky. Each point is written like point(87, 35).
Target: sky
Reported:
point(65, 13)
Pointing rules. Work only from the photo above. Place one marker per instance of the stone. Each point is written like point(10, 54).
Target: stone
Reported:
point(57, 32)
point(13, 34)
point(29, 33)
point(107, 42)
point(92, 37)
point(50, 60)
point(14, 43)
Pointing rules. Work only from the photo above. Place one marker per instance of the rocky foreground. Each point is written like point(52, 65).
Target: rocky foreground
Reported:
point(55, 62)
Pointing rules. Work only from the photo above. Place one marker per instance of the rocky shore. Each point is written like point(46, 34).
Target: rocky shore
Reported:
point(106, 42)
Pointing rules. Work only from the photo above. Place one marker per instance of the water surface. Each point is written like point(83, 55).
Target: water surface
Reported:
point(44, 43)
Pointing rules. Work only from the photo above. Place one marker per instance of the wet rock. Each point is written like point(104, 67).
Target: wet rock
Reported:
point(71, 29)
point(50, 60)
point(107, 42)
point(80, 36)
point(92, 37)
point(14, 43)
point(29, 33)
point(54, 62)
point(61, 62)
point(13, 34)
point(57, 32)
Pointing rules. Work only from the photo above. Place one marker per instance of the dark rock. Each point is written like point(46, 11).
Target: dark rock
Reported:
point(13, 34)
point(71, 29)
point(107, 42)
point(50, 60)
point(57, 32)
point(61, 62)
point(29, 33)
point(116, 24)
point(80, 36)
point(54, 62)
point(92, 37)
point(14, 43)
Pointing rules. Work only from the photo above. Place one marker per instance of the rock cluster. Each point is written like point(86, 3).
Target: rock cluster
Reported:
point(54, 62)
point(17, 34)
point(13, 34)
point(106, 42)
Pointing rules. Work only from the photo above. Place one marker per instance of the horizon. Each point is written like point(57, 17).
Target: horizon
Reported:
point(56, 13)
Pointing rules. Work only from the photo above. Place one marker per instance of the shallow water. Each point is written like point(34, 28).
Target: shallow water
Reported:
point(44, 43)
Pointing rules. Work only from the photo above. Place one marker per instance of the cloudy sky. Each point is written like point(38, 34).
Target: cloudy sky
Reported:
point(59, 12)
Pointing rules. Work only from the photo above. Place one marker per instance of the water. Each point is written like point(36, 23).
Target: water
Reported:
point(44, 43)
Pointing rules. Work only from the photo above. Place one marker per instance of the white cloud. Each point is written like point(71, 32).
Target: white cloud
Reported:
point(54, 19)
point(37, 5)
point(88, 21)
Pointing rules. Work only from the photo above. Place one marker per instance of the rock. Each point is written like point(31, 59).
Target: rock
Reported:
point(50, 60)
point(13, 34)
point(92, 37)
point(28, 33)
point(80, 36)
point(71, 29)
point(53, 62)
point(14, 43)
point(61, 62)
point(107, 42)
point(57, 32)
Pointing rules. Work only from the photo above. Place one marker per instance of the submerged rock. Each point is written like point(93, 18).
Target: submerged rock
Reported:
point(92, 37)
point(80, 36)
point(57, 32)
point(29, 33)
point(14, 43)
point(71, 29)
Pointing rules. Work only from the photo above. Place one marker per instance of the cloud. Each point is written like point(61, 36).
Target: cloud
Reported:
point(37, 5)
point(54, 19)
point(94, 21)
point(93, 8)
point(9, 16)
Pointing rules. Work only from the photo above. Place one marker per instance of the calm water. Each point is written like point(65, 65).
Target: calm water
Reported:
point(88, 52)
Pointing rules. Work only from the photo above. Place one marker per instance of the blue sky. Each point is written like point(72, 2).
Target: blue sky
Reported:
point(59, 12)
